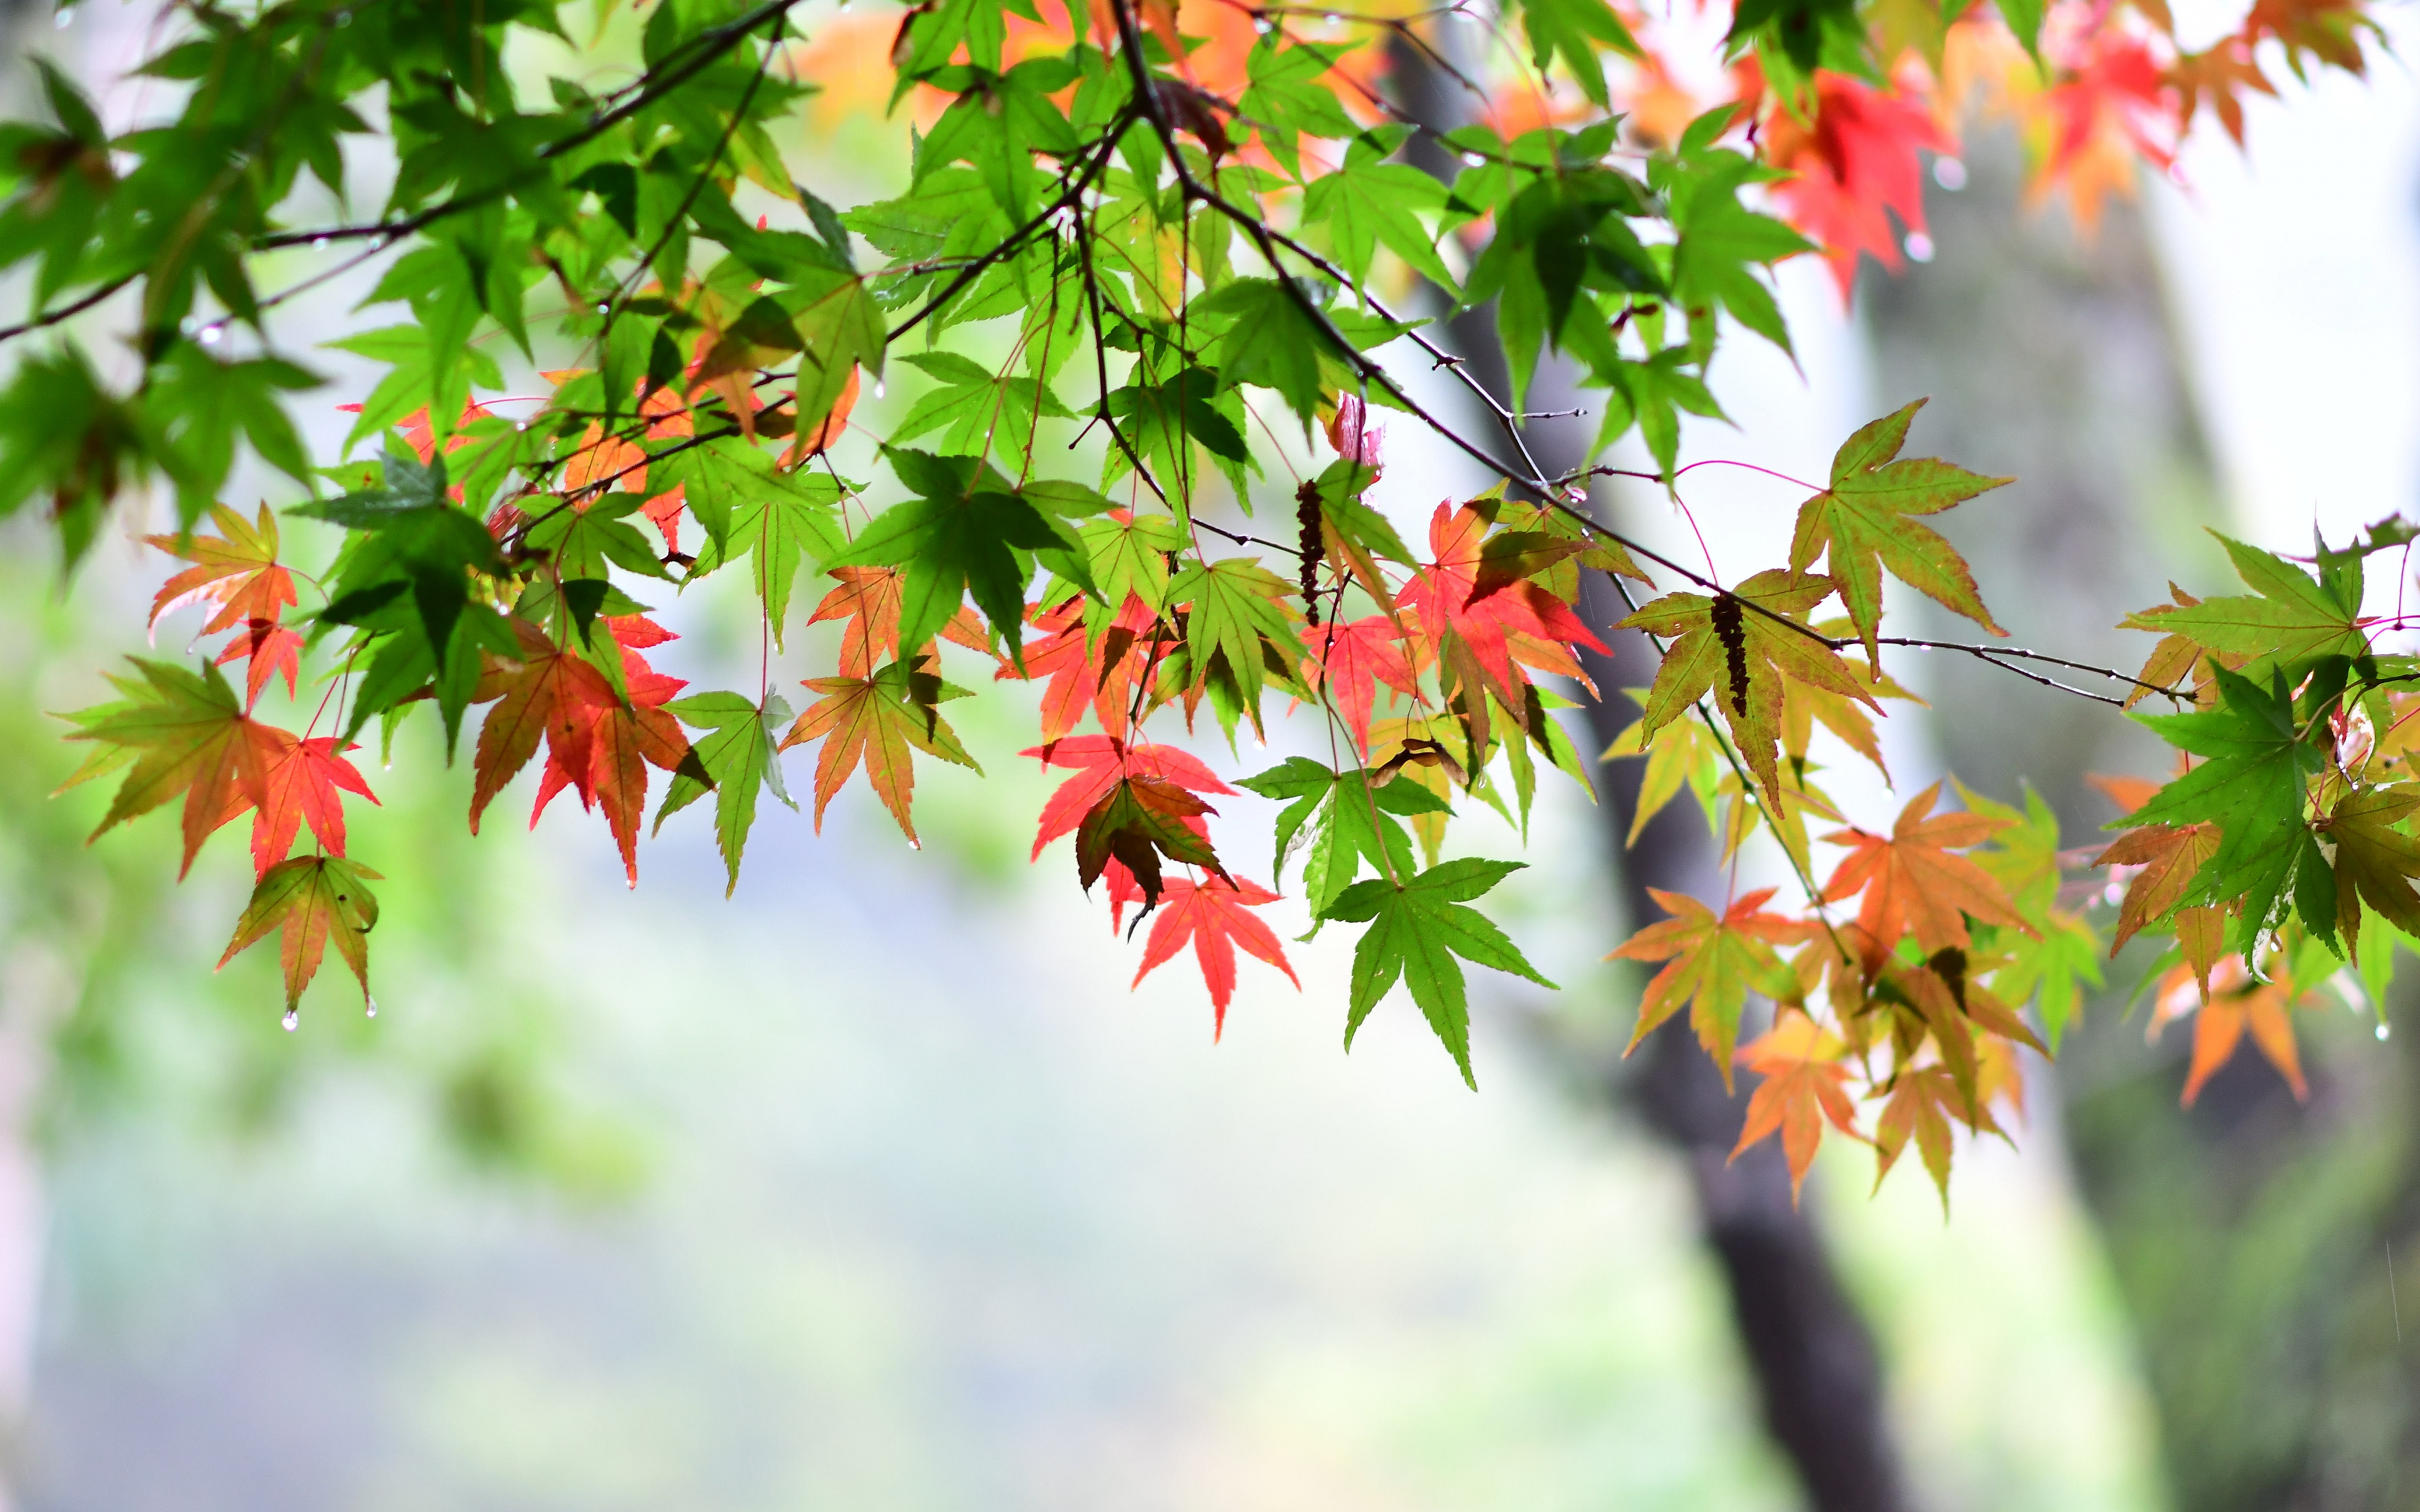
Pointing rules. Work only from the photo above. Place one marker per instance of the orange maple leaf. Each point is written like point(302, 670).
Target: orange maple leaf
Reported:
point(879, 719)
point(1802, 1088)
point(1714, 963)
point(1212, 915)
point(237, 569)
point(618, 740)
point(1913, 884)
point(2233, 1003)
point(2167, 857)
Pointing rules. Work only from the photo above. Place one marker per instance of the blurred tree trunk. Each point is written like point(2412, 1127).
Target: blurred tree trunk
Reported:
point(1818, 1377)
point(2249, 1236)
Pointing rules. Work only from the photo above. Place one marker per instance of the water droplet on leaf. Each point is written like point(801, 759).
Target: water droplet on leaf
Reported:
point(1264, 25)
point(2383, 1031)
point(370, 1008)
point(293, 1019)
point(1949, 173)
point(879, 388)
point(1919, 247)
point(66, 17)
point(1472, 159)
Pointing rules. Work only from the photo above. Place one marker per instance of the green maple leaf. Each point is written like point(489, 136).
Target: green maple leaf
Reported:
point(1368, 202)
point(2290, 616)
point(1574, 28)
point(1238, 607)
point(1129, 557)
point(740, 758)
point(2376, 859)
point(1417, 929)
point(1866, 521)
point(750, 508)
point(2251, 786)
point(979, 408)
point(1270, 340)
point(968, 533)
point(1351, 822)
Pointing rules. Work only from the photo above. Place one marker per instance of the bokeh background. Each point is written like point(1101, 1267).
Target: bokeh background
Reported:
point(876, 1188)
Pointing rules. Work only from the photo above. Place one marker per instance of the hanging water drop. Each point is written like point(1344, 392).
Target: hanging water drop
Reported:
point(1331, 21)
point(878, 388)
point(2383, 1032)
point(1472, 159)
point(1263, 24)
point(1919, 247)
point(319, 242)
point(1949, 173)
point(370, 1008)
point(604, 308)
point(915, 845)
point(211, 335)
point(293, 1019)
point(66, 17)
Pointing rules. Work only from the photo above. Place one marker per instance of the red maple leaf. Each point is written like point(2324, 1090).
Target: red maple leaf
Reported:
point(620, 740)
point(1857, 160)
point(1352, 660)
point(1518, 623)
point(1211, 914)
point(1085, 670)
point(1101, 762)
point(595, 745)
point(303, 782)
point(272, 649)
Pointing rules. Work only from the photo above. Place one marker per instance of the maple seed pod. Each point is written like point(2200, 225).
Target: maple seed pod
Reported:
point(1314, 546)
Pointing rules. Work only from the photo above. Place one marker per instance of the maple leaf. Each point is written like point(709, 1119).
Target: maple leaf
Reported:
point(2252, 787)
point(1855, 160)
point(867, 604)
point(1519, 622)
point(2374, 858)
point(1237, 624)
point(2173, 657)
point(1212, 915)
point(1923, 1102)
point(302, 782)
point(1864, 521)
point(1801, 1087)
point(1349, 661)
point(1741, 646)
point(1101, 761)
point(1418, 927)
point(1714, 962)
point(311, 901)
point(2232, 1003)
point(1136, 823)
point(740, 757)
point(964, 533)
point(541, 694)
point(879, 719)
point(237, 569)
point(2169, 856)
point(621, 736)
point(1085, 670)
point(2290, 617)
point(269, 648)
point(183, 734)
point(1913, 883)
